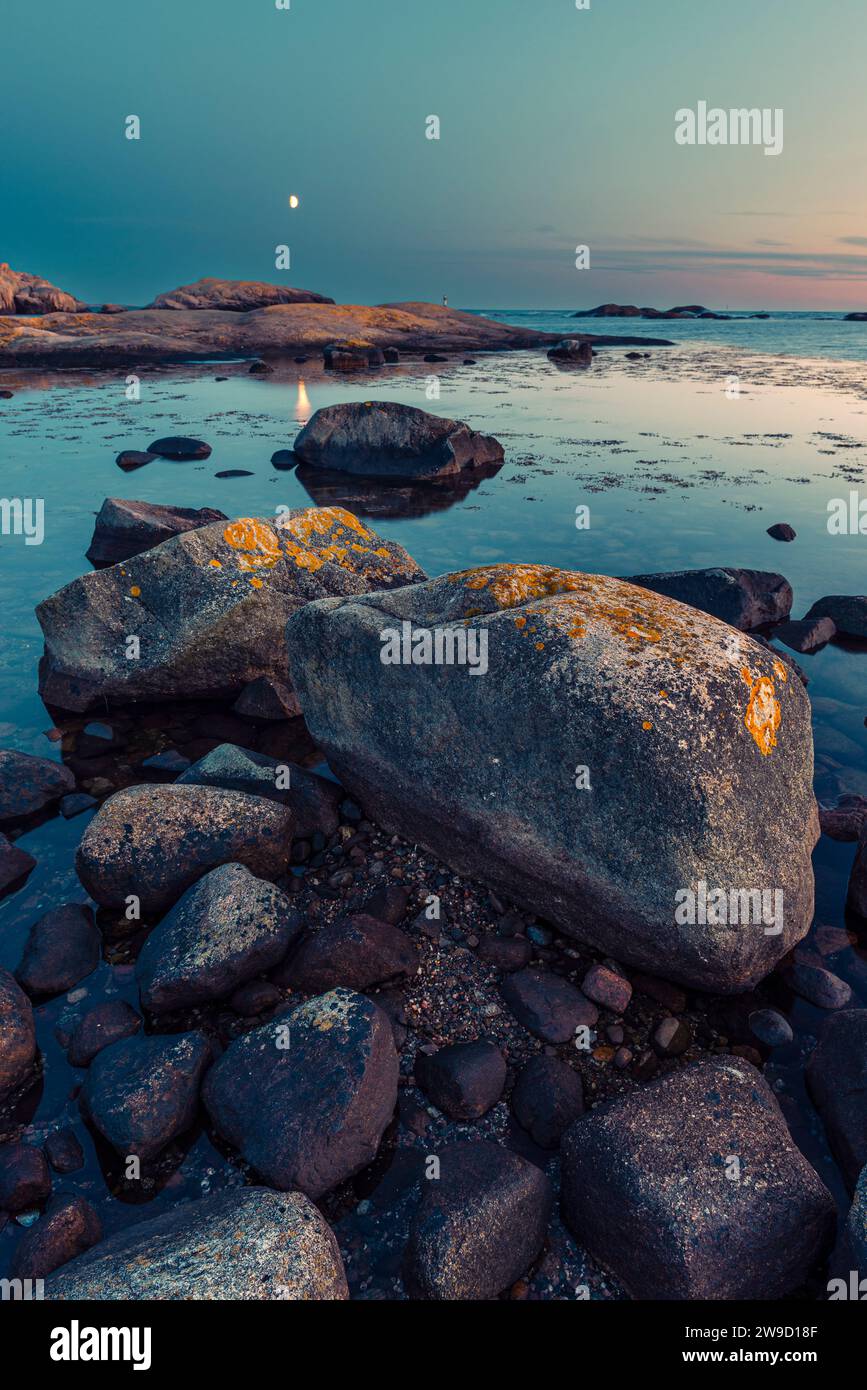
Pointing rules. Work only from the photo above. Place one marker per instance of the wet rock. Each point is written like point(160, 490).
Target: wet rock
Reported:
point(464, 1080)
point(848, 612)
point(260, 368)
point(143, 1092)
point(313, 800)
point(108, 1023)
point(479, 1226)
point(62, 948)
point(593, 663)
point(607, 989)
point(131, 459)
point(572, 350)
point(548, 1096)
point(15, 863)
point(154, 842)
point(339, 357)
point(743, 598)
point(67, 1227)
point(267, 699)
point(770, 1027)
point(247, 1243)
point(17, 1035)
point(25, 1179)
point(387, 904)
point(180, 448)
point(208, 608)
point(807, 635)
point(170, 762)
point(76, 804)
point(356, 952)
point(647, 1189)
point(672, 1036)
point(548, 1006)
point(847, 820)
point(234, 296)
point(266, 1095)
point(29, 784)
point(64, 1152)
point(284, 460)
point(837, 1083)
point(124, 528)
point(505, 953)
point(782, 531)
point(227, 928)
point(819, 986)
point(385, 439)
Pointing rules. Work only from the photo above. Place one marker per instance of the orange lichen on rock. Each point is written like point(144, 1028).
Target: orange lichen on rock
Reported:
point(763, 714)
point(256, 543)
point(780, 671)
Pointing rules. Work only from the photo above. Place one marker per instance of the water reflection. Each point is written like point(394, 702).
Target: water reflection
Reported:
point(379, 499)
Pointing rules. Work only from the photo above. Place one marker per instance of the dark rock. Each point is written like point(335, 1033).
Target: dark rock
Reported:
point(67, 1227)
point(671, 1037)
point(847, 820)
point(124, 528)
point(154, 842)
point(25, 1179)
point(743, 598)
point(143, 1092)
point(547, 1005)
point(102, 1026)
point(62, 948)
point(313, 800)
point(17, 1035)
point(257, 997)
point(464, 1080)
point(505, 952)
point(819, 986)
point(607, 989)
point(131, 459)
point(782, 531)
point(170, 761)
point(856, 318)
point(180, 448)
point(856, 1224)
point(260, 368)
point(548, 1096)
point(226, 929)
point(648, 1188)
point(572, 350)
point(266, 1095)
point(662, 991)
point(234, 473)
point(268, 699)
point(806, 635)
point(848, 612)
point(387, 904)
point(356, 952)
point(76, 804)
point(283, 460)
point(857, 895)
point(480, 1224)
point(242, 1244)
point(385, 439)
point(64, 1152)
point(15, 863)
point(770, 1027)
point(391, 355)
point(837, 1083)
point(338, 357)
point(29, 784)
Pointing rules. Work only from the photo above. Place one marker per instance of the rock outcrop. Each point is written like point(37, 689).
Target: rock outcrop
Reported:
point(236, 296)
point(125, 528)
point(21, 293)
point(384, 439)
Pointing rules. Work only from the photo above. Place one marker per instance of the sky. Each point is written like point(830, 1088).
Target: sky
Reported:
point(557, 129)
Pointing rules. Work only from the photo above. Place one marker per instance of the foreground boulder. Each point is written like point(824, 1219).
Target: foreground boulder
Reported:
point(837, 1083)
point(28, 784)
point(480, 1224)
point(21, 293)
point(314, 801)
point(234, 295)
point(208, 608)
point(154, 842)
point(384, 439)
point(608, 767)
point(227, 928)
point(743, 598)
point(247, 1244)
point(125, 528)
point(651, 1188)
point(144, 1092)
point(17, 1035)
point(266, 1095)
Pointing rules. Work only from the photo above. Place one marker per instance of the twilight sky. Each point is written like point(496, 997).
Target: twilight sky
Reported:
point(557, 128)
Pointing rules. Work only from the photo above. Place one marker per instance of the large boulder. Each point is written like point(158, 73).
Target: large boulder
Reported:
point(21, 293)
point(837, 1083)
point(244, 1244)
point(691, 1188)
point(313, 800)
point(744, 598)
point(227, 928)
point(17, 1035)
point(306, 1097)
point(143, 1092)
point(207, 608)
point(154, 842)
point(387, 440)
point(599, 758)
point(125, 528)
point(234, 295)
point(29, 784)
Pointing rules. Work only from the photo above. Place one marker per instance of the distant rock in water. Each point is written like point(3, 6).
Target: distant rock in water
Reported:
point(534, 663)
point(208, 608)
point(743, 598)
point(21, 293)
point(572, 350)
point(847, 611)
point(234, 295)
point(124, 528)
point(384, 439)
point(782, 531)
point(632, 311)
point(852, 318)
point(180, 448)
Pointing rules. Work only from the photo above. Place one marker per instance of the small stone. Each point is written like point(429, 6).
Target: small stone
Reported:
point(17, 1035)
point(770, 1027)
point(387, 904)
point(547, 1097)
point(106, 1024)
point(171, 762)
point(15, 863)
point(255, 998)
point(354, 952)
point(464, 1080)
point(25, 1179)
point(547, 1005)
point(505, 953)
point(662, 991)
point(29, 784)
point(622, 1058)
point(607, 989)
point(818, 986)
point(131, 459)
point(180, 448)
point(76, 803)
point(267, 699)
point(807, 635)
point(672, 1037)
point(781, 531)
point(64, 1152)
point(284, 459)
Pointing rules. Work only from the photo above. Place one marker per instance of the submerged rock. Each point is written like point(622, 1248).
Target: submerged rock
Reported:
point(837, 1083)
point(572, 350)
point(124, 528)
point(62, 948)
point(67, 1227)
point(227, 928)
point(154, 842)
point(144, 1092)
point(206, 609)
point(480, 1224)
point(247, 1244)
point(17, 1035)
point(266, 1095)
point(691, 1188)
point(29, 784)
point(670, 760)
point(15, 863)
point(25, 1179)
point(385, 439)
point(180, 448)
point(313, 800)
point(743, 598)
